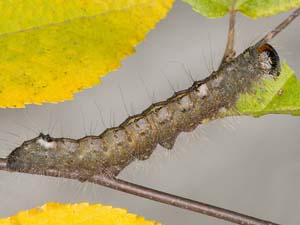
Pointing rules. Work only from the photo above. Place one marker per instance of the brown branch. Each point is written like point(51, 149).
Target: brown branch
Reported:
point(270, 35)
point(229, 50)
point(155, 195)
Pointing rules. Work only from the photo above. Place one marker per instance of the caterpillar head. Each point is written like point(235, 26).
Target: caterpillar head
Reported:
point(270, 59)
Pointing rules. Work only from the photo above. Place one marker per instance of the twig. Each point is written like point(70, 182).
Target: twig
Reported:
point(155, 195)
point(279, 28)
point(229, 51)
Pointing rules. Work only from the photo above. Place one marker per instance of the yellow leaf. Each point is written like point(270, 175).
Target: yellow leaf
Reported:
point(51, 49)
point(75, 214)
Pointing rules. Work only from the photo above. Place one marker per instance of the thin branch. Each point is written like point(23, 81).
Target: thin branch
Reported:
point(155, 195)
point(270, 35)
point(229, 51)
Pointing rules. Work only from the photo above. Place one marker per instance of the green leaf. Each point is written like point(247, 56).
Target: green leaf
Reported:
point(250, 8)
point(210, 8)
point(263, 8)
point(272, 96)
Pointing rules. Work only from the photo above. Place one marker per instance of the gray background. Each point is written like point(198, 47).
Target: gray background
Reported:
point(245, 164)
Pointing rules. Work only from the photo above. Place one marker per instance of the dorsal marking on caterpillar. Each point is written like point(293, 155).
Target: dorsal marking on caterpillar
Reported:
point(203, 90)
point(45, 144)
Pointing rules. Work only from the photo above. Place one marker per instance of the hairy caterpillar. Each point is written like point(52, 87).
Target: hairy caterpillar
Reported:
point(138, 136)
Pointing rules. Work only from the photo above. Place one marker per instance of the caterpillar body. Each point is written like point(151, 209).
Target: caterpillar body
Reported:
point(138, 136)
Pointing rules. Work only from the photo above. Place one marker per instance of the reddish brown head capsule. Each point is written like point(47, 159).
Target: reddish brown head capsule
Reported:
point(273, 56)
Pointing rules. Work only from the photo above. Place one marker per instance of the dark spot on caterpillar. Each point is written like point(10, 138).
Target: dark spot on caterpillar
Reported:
point(280, 92)
point(161, 123)
point(46, 137)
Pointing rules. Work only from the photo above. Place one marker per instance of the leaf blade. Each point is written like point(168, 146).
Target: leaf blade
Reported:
point(49, 63)
point(251, 8)
point(81, 213)
point(257, 9)
point(210, 8)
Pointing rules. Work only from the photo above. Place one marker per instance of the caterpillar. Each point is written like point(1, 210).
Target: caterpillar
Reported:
point(137, 137)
